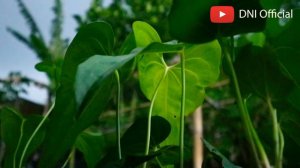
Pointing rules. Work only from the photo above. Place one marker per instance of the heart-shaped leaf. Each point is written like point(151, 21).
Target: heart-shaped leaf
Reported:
point(202, 68)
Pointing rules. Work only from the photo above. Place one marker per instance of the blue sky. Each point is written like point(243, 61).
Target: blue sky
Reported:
point(14, 56)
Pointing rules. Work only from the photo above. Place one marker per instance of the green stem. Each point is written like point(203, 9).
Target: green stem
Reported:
point(182, 61)
point(257, 141)
point(281, 142)
point(250, 131)
point(150, 114)
point(277, 135)
point(69, 159)
point(241, 104)
point(72, 159)
point(118, 115)
point(34, 133)
point(18, 145)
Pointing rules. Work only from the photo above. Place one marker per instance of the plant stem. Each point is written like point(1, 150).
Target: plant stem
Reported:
point(34, 133)
point(182, 61)
point(281, 142)
point(256, 140)
point(240, 103)
point(118, 115)
point(18, 145)
point(150, 114)
point(72, 159)
point(250, 131)
point(277, 135)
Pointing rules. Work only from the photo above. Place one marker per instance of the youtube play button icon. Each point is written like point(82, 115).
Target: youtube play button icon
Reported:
point(221, 14)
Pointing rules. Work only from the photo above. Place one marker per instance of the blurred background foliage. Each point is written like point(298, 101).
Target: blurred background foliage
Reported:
point(222, 125)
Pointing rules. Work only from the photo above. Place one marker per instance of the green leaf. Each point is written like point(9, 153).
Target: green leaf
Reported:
point(202, 69)
point(126, 48)
point(134, 139)
point(39, 46)
point(100, 66)
point(20, 37)
point(294, 98)
point(136, 160)
point(225, 162)
point(90, 76)
point(190, 20)
point(56, 28)
point(16, 131)
point(92, 145)
point(289, 36)
point(259, 73)
point(29, 19)
point(133, 142)
point(11, 122)
point(289, 60)
point(46, 66)
point(289, 123)
point(92, 39)
point(256, 39)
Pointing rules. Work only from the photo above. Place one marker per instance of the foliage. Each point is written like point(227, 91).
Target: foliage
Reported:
point(260, 61)
point(12, 87)
point(121, 15)
point(51, 54)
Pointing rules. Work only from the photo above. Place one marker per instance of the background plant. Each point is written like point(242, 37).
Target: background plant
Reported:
point(259, 74)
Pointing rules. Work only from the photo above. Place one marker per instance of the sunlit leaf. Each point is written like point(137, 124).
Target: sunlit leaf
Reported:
point(202, 68)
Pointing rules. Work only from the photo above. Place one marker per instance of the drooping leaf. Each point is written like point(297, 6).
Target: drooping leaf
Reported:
point(100, 66)
point(225, 162)
point(20, 37)
point(202, 68)
point(67, 120)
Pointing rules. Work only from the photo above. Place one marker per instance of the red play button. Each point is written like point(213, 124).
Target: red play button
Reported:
point(221, 14)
